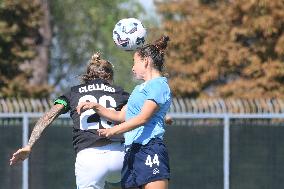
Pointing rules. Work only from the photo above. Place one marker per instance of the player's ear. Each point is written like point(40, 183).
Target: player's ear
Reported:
point(147, 62)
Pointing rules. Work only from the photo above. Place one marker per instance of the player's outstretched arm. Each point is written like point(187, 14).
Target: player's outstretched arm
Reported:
point(23, 153)
point(110, 114)
point(148, 109)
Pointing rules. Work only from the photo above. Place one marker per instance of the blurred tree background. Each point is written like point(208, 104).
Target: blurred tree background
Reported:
point(222, 48)
point(83, 27)
point(218, 48)
point(46, 45)
point(20, 37)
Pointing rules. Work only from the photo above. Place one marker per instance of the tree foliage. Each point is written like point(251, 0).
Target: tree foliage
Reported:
point(78, 29)
point(82, 28)
point(223, 48)
point(19, 35)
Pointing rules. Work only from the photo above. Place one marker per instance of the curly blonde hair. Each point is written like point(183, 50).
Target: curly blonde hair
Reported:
point(98, 68)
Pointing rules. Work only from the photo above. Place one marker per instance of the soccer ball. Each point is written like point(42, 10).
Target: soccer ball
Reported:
point(129, 34)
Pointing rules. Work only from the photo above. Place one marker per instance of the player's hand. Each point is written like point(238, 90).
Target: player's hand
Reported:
point(106, 132)
point(83, 106)
point(20, 155)
point(169, 120)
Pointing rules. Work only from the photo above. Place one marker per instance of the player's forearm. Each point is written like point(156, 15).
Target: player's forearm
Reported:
point(44, 122)
point(109, 114)
point(131, 124)
point(147, 111)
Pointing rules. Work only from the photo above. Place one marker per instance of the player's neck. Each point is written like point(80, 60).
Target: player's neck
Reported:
point(152, 75)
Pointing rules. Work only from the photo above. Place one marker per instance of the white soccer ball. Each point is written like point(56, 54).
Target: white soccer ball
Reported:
point(129, 34)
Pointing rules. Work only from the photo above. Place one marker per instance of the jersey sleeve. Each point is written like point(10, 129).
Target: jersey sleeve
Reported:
point(158, 92)
point(64, 100)
point(124, 100)
point(125, 97)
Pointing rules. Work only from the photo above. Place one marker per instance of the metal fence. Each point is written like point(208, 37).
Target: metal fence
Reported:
point(206, 144)
point(179, 105)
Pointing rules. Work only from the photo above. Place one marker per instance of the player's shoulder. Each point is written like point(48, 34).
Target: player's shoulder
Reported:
point(159, 83)
point(161, 79)
point(76, 87)
point(121, 91)
point(118, 88)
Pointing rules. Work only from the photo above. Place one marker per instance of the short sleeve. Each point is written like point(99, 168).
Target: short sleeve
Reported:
point(125, 96)
point(158, 92)
point(124, 99)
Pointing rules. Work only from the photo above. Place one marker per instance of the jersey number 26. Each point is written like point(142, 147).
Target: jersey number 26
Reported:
point(86, 121)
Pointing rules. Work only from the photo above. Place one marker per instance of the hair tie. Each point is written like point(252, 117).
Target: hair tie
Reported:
point(96, 56)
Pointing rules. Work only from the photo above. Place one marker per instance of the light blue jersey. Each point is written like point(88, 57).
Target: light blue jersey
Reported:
point(157, 90)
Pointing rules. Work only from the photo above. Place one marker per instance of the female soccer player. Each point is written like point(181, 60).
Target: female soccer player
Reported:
point(146, 163)
point(98, 159)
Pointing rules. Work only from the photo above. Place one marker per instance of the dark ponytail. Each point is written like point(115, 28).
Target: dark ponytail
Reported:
point(155, 51)
point(162, 43)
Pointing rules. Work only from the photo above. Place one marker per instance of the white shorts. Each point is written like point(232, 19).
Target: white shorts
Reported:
point(96, 165)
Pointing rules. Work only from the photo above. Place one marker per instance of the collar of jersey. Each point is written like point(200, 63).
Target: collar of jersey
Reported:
point(97, 80)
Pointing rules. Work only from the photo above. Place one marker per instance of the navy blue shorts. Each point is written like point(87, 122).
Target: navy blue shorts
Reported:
point(145, 163)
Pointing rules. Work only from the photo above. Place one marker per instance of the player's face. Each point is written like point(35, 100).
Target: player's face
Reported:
point(138, 68)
